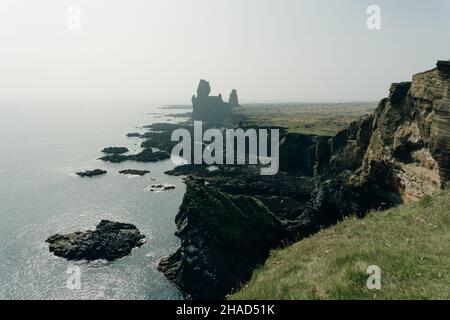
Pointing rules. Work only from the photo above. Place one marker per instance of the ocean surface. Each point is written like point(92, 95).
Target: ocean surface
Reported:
point(41, 147)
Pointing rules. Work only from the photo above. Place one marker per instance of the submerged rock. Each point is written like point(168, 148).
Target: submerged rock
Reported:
point(134, 172)
point(91, 173)
point(109, 241)
point(115, 150)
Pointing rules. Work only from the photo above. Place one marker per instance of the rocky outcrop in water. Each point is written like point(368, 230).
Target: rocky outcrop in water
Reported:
point(399, 153)
point(146, 155)
point(212, 108)
point(109, 241)
point(134, 172)
point(91, 173)
point(115, 150)
point(160, 187)
point(233, 100)
point(222, 238)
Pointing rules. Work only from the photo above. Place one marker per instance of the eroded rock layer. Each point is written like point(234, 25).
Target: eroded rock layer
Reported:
point(411, 136)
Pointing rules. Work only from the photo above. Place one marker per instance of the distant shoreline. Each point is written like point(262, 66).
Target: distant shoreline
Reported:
point(177, 106)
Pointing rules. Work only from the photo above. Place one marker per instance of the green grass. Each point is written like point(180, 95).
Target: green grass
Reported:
point(410, 243)
point(318, 119)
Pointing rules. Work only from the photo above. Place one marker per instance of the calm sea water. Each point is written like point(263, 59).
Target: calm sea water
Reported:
point(41, 146)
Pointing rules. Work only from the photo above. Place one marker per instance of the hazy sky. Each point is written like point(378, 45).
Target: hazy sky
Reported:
point(269, 50)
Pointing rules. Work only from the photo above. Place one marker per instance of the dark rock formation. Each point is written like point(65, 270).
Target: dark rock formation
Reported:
point(134, 172)
point(443, 66)
point(134, 135)
point(109, 241)
point(159, 140)
point(160, 187)
point(146, 155)
point(399, 153)
point(222, 238)
point(211, 108)
point(180, 115)
point(115, 150)
point(233, 100)
point(91, 173)
point(298, 153)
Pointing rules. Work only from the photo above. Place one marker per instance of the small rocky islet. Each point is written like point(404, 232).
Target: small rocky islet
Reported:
point(91, 173)
point(160, 187)
point(134, 172)
point(109, 241)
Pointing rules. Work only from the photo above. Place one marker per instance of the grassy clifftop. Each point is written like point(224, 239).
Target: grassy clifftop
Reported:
point(410, 243)
point(313, 118)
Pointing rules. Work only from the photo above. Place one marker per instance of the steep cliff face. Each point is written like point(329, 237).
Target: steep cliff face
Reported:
point(409, 149)
point(398, 154)
point(222, 238)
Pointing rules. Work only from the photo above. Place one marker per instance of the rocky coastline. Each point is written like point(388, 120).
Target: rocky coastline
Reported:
point(231, 217)
point(115, 150)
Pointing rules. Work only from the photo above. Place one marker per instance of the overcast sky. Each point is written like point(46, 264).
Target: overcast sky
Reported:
point(269, 50)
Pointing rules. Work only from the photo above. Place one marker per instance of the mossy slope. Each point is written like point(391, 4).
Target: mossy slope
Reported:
point(410, 243)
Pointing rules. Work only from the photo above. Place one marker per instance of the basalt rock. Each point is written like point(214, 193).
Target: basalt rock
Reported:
point(298, 153)
point(233, 100)
point(212, 108)
point(109, 241)
point(115, 150)
point(160, 187)
point(223, 238)
point(134, 135)
point(399, 153)
point(146, 155)
point(134, 172)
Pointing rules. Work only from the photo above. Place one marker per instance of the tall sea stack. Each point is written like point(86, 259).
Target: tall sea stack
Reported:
point(212, 108)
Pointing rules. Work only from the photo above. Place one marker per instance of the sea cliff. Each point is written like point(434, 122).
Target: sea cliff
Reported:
point(231, 218)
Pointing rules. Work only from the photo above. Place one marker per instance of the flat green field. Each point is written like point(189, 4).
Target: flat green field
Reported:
point(313, 118)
